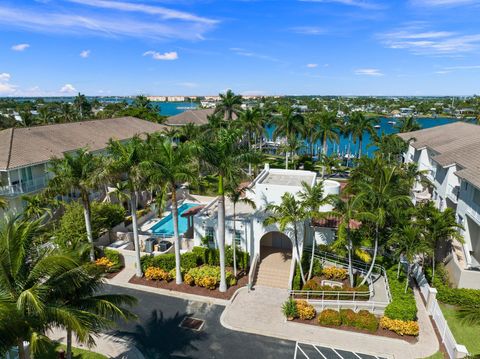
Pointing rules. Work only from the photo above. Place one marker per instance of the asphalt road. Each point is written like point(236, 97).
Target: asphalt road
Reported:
point(159, 333)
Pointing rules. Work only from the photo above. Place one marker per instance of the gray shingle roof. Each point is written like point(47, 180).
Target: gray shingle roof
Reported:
point(456, 143)
point(197, 117)
point(30, 145)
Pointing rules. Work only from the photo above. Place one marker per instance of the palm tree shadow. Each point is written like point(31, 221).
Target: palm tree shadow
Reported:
point(162, 337)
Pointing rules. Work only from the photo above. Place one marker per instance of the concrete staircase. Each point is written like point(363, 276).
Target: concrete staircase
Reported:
point(274, 268)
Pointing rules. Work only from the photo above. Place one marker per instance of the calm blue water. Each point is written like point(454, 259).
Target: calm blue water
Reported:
point(347, 146)
point(165, 226)
point(174, 108)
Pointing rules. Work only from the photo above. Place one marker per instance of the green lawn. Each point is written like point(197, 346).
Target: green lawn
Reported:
point(77, 353)
point(467, 335)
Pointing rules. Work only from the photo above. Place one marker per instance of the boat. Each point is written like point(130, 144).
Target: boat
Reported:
point(377, 127)
point(391, 122)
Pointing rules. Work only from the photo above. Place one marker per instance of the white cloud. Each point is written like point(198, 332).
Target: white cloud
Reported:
point(368, 72)
point(308, 30)
point(6, 88)
point(68, 88)
point(85, 53)
point(444, 3)
point(165, 13)
point(242, 52)
point(419, 41)
point(355, 3)
point(165, 56)
point(157, 23)
point(312, 66)
point(20, 47)
point(4, 77)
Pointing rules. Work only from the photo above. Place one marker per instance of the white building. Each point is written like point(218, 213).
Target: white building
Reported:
point(450, 155)
point(26, 151)
point(250, 233)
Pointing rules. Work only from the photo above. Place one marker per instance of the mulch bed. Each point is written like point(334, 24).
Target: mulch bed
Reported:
point(380, 332)
point(242, 280)
point(112, 274)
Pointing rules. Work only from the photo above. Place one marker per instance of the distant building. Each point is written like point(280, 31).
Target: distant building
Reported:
point(450, 155)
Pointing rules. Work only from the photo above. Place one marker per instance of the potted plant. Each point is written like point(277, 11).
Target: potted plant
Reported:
point(289, 309)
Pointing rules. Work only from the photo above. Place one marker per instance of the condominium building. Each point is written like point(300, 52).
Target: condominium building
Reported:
point(26, 151)
point(450, 157)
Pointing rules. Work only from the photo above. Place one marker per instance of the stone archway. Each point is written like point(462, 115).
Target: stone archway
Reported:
point(276, 240)
point(275, 260)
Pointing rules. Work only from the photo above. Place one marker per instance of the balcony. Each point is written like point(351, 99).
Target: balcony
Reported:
point(24, 187)
point(453, 192)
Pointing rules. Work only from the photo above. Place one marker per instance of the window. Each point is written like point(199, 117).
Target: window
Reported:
point(238, 238)
point(476, 196)
point(210, 235)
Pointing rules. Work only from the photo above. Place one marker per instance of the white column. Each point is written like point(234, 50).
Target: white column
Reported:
point(431, 300)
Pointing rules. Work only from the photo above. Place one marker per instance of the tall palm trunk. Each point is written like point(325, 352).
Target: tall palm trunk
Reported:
point(350, 265)
point(21, 349)
point(88, 225)
point(298, 253)
point(360, 140)
point(375, 250)
point(234, 242)
point(324, 152)
point(221, 233)
point(69, 343)
point(312, 258)
point(176, 237)
point(136, 241)
point(407, 280)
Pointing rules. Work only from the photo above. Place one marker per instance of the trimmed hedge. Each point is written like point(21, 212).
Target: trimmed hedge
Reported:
point(400, 327)
point(347, 317)
point(454, 296)
point(114, 257)
point(211, 256)
point(402, 306)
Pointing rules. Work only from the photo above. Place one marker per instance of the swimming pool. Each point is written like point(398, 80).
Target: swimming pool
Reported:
point(165, 226)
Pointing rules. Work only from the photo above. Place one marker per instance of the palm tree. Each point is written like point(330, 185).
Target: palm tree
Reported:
point(328, 128)
point(409, 241)
point(66, 112)
point(44, 115)
point(408, 124)
point(236, 195)
point(357, 126)
point(470, 315)
point(142, 101)
point(250, 121)
point(309, 129)
point(38, 205)
point(350, 210)
point(439, 227)
point(82, 105)
point(170, 164)
point(312, 198)
point(289, 124)
point(229, 104)
point(329, 163)
point(226, 156)
point(125, 163)
point(382, 196)
point(3, 202)
point(289, 213)
point(31, 280)
point(97, 310)
point(78, 171)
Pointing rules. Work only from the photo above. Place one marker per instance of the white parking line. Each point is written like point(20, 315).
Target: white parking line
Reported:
point(306, 356)
point(324, 357)
point(337, 353)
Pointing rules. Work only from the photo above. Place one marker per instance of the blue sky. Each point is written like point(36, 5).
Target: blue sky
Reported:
point(201, 47)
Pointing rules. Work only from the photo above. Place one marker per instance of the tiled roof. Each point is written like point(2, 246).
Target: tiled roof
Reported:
point(27, 146)
point(197, 117)
point(456, 143)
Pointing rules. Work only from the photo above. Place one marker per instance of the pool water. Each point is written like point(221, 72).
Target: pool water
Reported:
point(165, 226)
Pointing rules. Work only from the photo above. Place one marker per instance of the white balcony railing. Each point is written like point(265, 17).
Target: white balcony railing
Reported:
point(453, 192)
point(24, 186)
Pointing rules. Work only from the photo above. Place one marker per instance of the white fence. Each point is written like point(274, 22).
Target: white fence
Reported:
point(454, 350)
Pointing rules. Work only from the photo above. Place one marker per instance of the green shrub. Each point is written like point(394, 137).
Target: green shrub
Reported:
point(207, 276)
point(348, 317)
point(188, 260)
point(163, 261)
point(329, 317)
point(114, 257)
point(454, 296)
point(311, 285)
point(201, 253)
point(305, 311)
point(403, 305)
point(71, 226)
point(289, 309)
point(366, 320)
point(297, 280)
point(317, 267)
